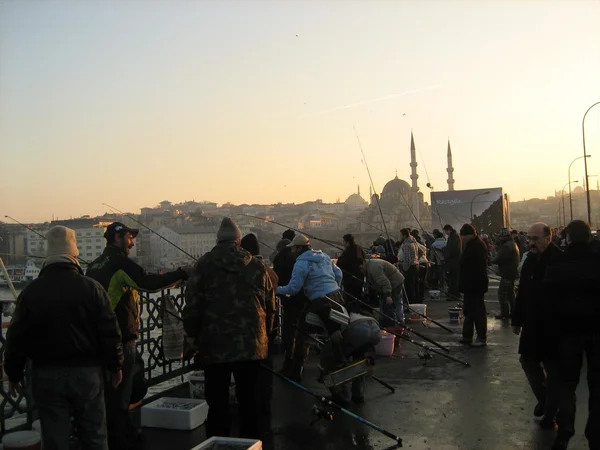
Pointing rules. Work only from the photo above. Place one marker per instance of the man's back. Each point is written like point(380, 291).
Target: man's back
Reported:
point(63, 317)
point(230, 306)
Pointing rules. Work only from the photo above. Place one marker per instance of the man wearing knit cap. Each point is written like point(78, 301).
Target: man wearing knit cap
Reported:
point(473, 283)
point(122, 278)
point(65, 324)
point(229, 313)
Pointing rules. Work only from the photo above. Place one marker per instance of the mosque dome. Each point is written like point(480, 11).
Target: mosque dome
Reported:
point(392, 187)
point(355, 200)
point(578, 190)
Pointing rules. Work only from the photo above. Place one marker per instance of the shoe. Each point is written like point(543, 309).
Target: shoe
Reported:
point(547, 423)
point(538, 411)
point(479, 343)
point(466, 341)
point(561, 443)
point(358, 399)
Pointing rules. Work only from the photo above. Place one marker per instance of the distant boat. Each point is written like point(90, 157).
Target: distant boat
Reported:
point(21, 275)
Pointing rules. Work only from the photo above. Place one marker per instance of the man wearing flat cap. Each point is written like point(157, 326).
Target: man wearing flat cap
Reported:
point(122, 277)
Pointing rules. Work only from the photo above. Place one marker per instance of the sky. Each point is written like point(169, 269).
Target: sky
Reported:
point(133, 102)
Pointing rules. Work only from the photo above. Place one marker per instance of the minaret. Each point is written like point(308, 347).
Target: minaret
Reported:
point(359, 189)
point(450, 169)
point(414, 177)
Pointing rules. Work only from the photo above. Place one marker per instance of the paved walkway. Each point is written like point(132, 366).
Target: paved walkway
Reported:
point(438, 406)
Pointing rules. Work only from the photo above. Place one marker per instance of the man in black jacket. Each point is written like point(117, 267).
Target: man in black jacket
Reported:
point(64, 323)
point(574, 282)
point(473, 283)
point(122, 278)
point(530, 319)
point(452, 252)
point(295, 344)
point(508, 268)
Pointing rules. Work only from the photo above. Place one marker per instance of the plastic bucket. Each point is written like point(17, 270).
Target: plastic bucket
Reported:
point(454, 314)
point(386, 345)
point(22, 440)
point(420, 308)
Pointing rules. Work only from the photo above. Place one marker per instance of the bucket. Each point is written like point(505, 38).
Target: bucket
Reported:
point(454, 314)
point(386, 345)
point(417, 308)
point(22, 440)
point(434, 295)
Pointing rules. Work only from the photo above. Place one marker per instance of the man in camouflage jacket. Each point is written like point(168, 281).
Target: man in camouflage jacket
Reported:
point(229, 313)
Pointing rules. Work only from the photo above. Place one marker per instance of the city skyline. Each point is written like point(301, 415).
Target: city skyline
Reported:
point(128, 102)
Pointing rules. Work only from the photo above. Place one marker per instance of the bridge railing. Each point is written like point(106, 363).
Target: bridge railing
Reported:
point(162, 374)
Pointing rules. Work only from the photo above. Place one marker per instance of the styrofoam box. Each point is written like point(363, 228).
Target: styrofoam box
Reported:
point(418, 308)
point(175, 413)
point(242, 444)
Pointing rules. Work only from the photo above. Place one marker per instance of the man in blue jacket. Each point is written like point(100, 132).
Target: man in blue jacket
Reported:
point(319, 276)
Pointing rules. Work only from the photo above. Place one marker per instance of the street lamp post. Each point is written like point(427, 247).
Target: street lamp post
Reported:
point(473, 199)
point(587, 181)
point(563, 200)
point(571, 198)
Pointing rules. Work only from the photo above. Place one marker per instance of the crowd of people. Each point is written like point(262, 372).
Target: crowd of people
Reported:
point(80, 331)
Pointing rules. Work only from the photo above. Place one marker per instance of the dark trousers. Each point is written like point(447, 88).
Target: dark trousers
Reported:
point(217, 379)
point(295, 345)
point(506, 297)
point(543, 378)
point(64, 392)
point(412, 284)
point(118, 421)
point(571, 351)
point(452, 282)
point(475, 314)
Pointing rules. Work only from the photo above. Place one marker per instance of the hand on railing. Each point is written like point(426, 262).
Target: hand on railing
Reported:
point(14, 389)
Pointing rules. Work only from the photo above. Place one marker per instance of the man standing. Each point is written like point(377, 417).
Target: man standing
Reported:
point(229, 312)
point(122, 277)
point(408, 259)
point(473, 284)
point(574, 282)
point(452, 253)
point(508, 268)
point(65, 324)
point(385, 279)
point(530, 319)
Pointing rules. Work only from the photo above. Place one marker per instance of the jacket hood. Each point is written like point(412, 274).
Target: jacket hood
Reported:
point(314, 256)
point(228, 256)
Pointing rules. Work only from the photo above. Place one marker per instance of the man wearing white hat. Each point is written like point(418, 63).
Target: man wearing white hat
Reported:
point(64, 323)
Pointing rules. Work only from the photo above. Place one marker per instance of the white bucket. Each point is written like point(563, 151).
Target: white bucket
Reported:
point(22, 440)
point(420, 308)
point(386, 345)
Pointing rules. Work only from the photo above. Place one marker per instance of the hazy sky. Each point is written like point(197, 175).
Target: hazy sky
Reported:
point(133, 102)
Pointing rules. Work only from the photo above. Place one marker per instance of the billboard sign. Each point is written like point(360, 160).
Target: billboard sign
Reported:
point(486, 209)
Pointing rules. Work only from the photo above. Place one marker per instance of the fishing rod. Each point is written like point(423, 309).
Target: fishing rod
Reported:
point(41, 235)
point(26, 226)
point(151, 230)
point(340, 408)
point(372, 185)
point(411, 211)
point(22, 256)
point(331, 243)
point(258, 240)
point(376, 228)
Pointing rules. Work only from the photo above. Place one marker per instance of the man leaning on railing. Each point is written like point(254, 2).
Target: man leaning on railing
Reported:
point(64, 323)
point(122, 278)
